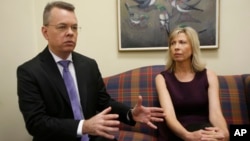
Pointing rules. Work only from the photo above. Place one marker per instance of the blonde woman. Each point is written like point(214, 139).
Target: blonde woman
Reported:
point(189, 93)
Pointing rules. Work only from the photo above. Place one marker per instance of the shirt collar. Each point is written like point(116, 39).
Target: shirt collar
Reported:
point(57, 59)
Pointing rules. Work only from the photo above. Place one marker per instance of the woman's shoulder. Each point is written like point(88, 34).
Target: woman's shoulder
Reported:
point(211, 76)
point(210, 73)
point(162, 74)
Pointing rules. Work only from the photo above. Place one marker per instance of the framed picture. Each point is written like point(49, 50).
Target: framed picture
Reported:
point(146, 24)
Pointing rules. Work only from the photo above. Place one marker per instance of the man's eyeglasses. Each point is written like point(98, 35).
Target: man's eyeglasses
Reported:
point(64, 27)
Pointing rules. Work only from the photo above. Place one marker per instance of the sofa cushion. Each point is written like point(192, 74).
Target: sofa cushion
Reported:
point(233, 100)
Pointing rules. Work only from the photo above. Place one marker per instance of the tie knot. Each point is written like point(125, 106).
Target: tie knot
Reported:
point(64, 63)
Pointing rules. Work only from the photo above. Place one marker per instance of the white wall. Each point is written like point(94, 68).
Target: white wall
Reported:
point(21, 39)
point(18, 43)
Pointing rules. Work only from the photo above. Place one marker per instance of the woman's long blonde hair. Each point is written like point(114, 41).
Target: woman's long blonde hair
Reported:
point(197, 64)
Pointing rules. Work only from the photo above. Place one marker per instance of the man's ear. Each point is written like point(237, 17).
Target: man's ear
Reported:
point(44, 30)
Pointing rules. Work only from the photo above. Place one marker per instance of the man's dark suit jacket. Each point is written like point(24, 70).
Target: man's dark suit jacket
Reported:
point(44, 102)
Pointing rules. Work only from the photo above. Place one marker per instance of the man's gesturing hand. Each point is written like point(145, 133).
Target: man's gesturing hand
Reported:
point(147, 114)
point(102, 124)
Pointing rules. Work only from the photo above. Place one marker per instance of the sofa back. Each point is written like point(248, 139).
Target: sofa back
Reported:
point(125, 87)
point(233, 99)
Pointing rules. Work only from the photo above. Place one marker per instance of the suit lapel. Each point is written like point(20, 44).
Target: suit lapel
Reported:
point(81, 79)
point(49, 65)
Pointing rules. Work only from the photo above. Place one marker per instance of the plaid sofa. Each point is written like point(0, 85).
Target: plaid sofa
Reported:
point(125, 87)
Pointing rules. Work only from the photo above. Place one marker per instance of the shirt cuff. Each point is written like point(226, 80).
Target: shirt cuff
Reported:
point(130, 116)
point(79, 129)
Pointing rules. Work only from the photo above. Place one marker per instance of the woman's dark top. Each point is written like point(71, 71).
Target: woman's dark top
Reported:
point(190, 101)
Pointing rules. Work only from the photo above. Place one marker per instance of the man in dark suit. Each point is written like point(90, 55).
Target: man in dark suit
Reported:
point(43, 96)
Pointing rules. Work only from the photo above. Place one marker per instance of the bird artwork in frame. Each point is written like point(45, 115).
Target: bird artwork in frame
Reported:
point(146, 24)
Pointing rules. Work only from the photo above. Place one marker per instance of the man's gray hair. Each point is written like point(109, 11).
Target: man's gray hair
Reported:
point(58, 4)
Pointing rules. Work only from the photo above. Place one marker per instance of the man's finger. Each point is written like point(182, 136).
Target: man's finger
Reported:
point(155, 119)
point(110, 116)
point(139, 102)
point(106, 111)
point(111, 123)
point(156, 109)
point(106, 135)
point(150, 124)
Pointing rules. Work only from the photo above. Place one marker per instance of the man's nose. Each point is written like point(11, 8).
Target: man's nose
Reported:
point(70, 31)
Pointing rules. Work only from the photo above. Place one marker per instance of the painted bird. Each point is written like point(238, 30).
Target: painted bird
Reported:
point(145, 3)
point(185, 6)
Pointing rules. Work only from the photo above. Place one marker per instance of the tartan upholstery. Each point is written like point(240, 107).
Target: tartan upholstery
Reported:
point(233, 99)
point(246, 78)
point(126, 86)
